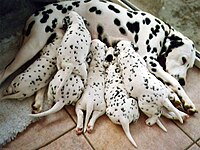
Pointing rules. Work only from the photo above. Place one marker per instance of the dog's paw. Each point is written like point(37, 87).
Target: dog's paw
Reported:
point(89, 128)
point(79, 131)
point(36, 108)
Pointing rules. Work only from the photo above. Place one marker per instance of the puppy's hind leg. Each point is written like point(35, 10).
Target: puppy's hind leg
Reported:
point(125, 125)
point(80, 115)
point(95, 116)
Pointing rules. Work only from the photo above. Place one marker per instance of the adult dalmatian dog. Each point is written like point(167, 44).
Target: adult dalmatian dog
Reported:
point(151, 93)
point(92, 100)
point(37, 75)
point(70, 92)
point(167, 52)
point(120, 108)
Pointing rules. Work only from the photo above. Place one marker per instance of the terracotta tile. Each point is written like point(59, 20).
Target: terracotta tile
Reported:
point(198, 142)
point(194, 147)
point(69, 141)
point(71, 110)
point(191, 126)
point(43, 131)
point(107, 135)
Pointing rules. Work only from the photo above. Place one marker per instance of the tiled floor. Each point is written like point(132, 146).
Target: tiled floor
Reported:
point(57, 131)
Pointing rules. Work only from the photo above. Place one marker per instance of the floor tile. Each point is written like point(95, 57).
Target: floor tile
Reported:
point(194, 147)
point(43, 131)
point(198, 142)
point(109, 136)
point(69, 141)
point(191, 126)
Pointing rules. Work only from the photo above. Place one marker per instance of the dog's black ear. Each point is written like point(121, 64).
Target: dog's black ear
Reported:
point(109, 58)
point(175, 41)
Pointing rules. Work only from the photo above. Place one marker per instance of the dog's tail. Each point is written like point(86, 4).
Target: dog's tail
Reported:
point(58, 106)
point(125, 125)
point(171, 108)
point(67, 72)
point(89, 109)
point(18, 96)
point(159, 123)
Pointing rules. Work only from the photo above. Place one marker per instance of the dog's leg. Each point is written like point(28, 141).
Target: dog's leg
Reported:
point(155, 68)
point(39, 98)
point(15, 96)
point(80, 118)
point(95, 116)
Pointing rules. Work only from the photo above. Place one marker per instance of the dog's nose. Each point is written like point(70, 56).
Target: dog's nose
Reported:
point(181, 81)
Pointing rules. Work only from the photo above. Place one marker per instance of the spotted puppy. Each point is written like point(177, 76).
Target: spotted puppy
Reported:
point(74, 48)
point(120, 108)
point(69, 94)
point(38, 74)
point(151, 93)
point(167, 52)
point(92, 99)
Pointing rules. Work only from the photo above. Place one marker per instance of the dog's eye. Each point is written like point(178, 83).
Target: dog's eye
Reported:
point(184, 60)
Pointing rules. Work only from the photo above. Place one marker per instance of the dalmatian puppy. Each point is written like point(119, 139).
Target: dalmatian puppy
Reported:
point(167, 52)
point(38, 74)
point(74, 48)
point(70, 93)
point(151, 93)
point(120, 108)
point(92, 99)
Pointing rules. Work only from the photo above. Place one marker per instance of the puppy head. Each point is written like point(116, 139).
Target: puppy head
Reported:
point(179, 56)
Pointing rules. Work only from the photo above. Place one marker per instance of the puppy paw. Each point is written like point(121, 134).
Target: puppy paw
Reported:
point(36, 108)
point(89, 129)
point(79, 131)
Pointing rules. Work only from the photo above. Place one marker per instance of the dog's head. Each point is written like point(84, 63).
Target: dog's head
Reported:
point(177, 56)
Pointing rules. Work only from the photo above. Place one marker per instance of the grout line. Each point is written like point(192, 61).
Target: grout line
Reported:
point(88, 141)
point(51, 141)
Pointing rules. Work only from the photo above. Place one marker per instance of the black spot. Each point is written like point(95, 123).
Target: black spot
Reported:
point(136, 38)
point(28, 31)
point(111, 7)
point(38, 12)
point(148, 48)
point(150, 36)
point(76, 3)
point(143, 14)
point(122, 30)
point(54, 23)
point(100, 29)
point(87, 1)
point(59, 7)
point(92, 9)
point(129, 14)
point(64, 10)
point(153, 70)
point(117, 22)
point(98, 12)
point(44, 18)
point(148, 21)
point(158, 21)
point(48, 29)
point(133, 27)
point(69, 8)
point(51, 38)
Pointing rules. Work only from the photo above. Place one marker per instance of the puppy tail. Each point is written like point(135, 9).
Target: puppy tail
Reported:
point(89, 109)
point(67, 72)
point(125, 125)
point(58, 106)
point(159, 123)
point(18, 96)
point(171, 107)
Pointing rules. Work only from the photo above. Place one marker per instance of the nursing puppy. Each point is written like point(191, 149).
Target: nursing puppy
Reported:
point(38, 74)
point(74, 48)
point(151, 93)
point(69, 94)
point(120, 108)
point(92, 99)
